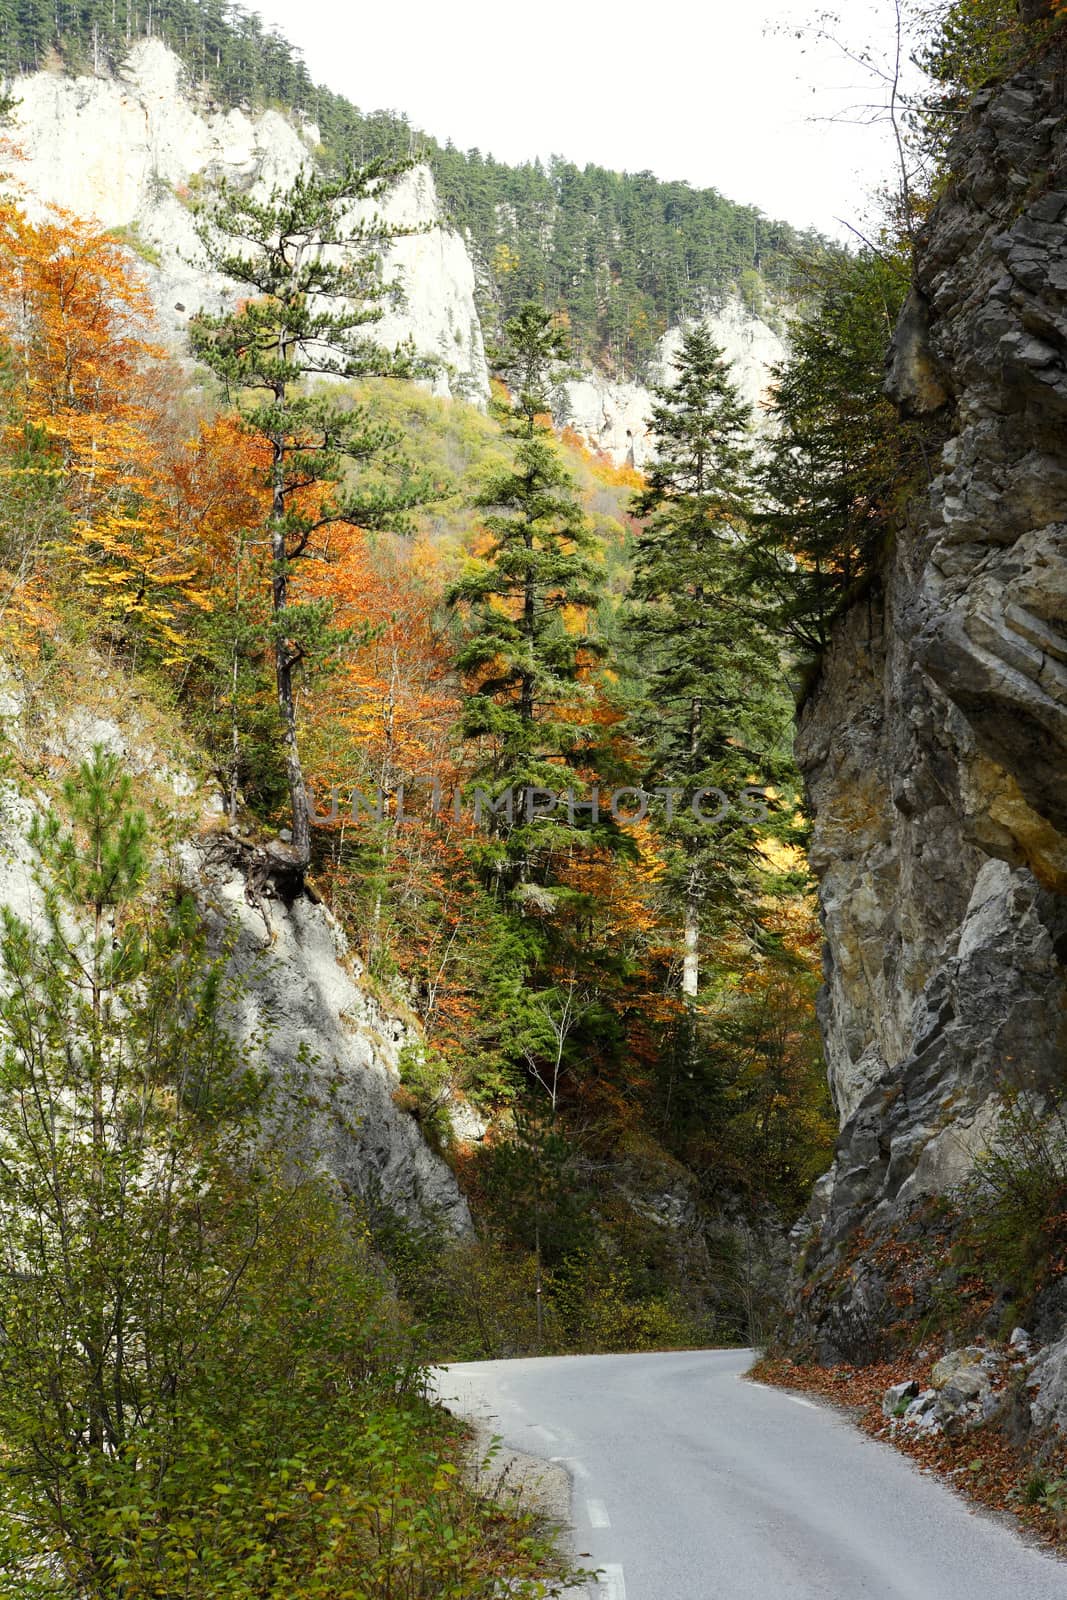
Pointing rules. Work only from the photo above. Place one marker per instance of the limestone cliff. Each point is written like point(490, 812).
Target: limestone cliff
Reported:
point(132, 150)
point(332, 1048)
point(935, 742)
point(612, 415)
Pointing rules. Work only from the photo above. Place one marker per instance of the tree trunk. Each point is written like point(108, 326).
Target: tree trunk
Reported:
point(526, 689)
point(284, 660)
point(691, 934)
point(691, 950)
point(538, 1285)
point(235, 721)
point(529, 629)
point(235, 741)
point(96, 1341)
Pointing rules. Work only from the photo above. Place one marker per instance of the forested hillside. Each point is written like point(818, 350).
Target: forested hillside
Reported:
point(455, 620)
point(625, 255)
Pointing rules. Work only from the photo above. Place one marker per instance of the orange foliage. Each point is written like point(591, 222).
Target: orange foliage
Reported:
point(389, 708)
point(212, 486)
point(77, 319)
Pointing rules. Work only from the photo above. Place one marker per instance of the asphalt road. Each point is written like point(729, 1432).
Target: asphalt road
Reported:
point(690, 1484)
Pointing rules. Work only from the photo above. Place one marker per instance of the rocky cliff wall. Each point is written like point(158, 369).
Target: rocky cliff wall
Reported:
point(332, 1049)
point(131, 151)
point(935, 743)
point(612, 415)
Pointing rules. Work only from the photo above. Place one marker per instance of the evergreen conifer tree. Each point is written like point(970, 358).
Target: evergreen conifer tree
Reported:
point(313, 270)
point(707, 717)
point(838, 455)
point(119, 1094)
point(524, 662)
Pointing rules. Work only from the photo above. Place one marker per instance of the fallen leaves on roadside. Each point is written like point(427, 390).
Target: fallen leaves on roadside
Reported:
point(982, 1464)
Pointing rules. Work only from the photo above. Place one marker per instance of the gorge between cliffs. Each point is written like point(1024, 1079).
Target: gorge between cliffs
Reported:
point(533, 824)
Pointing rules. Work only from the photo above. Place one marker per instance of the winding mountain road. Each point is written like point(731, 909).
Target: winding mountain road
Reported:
point(689, 1484)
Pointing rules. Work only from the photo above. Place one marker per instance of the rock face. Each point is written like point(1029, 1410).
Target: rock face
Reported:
point(613, 415)
point(132, 150)
point(332, 1051)
point(935, 743)
point(330, 1046)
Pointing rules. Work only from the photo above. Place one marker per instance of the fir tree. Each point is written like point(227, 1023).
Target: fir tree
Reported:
point(707, 716)
point(838, 454)
point(523, 660)
point(313, 271)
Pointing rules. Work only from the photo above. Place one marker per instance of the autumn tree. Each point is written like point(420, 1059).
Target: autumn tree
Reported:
point(380, 736)
point(78, 322)
point(707, 717)
point(217, 504)
point(312, 268)
point(527, 600)
point(32, 513)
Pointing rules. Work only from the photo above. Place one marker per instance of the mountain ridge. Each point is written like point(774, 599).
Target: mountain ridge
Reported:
point(623, 256)
point(134, 148)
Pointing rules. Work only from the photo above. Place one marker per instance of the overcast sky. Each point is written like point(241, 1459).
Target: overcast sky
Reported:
point(707, 90)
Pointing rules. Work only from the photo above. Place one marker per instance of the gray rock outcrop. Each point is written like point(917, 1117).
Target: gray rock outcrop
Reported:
point(935, 742)
point(330, 1046)
point(331, 1049)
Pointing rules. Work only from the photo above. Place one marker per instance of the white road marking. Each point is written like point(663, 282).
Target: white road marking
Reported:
point(613, 1583)
point(597, 1513)
point(574, 1466)
point(809, 1405)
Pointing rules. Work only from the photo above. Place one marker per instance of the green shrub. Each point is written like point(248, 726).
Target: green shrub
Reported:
point(1015, 1204)
point(207, 1386)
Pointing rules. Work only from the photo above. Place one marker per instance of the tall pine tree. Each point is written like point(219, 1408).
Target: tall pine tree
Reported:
point(708, 717)
point(525, 655)
point(313, 270)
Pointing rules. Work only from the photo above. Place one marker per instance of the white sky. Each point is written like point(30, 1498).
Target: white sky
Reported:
point(705, 90)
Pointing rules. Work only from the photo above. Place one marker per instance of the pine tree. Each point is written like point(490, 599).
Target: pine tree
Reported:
point(838, 455)
point(313, 270)
point(113, 1066)
point(525, 656)
point(707, 718)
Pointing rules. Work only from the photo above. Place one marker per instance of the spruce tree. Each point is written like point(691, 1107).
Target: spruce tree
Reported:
point(707, 717)
point(313, 272)
point(524, 663)
point(838, 455)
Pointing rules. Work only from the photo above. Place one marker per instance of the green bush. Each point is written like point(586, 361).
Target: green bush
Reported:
point(1015, 1204)
point(206, 1385)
